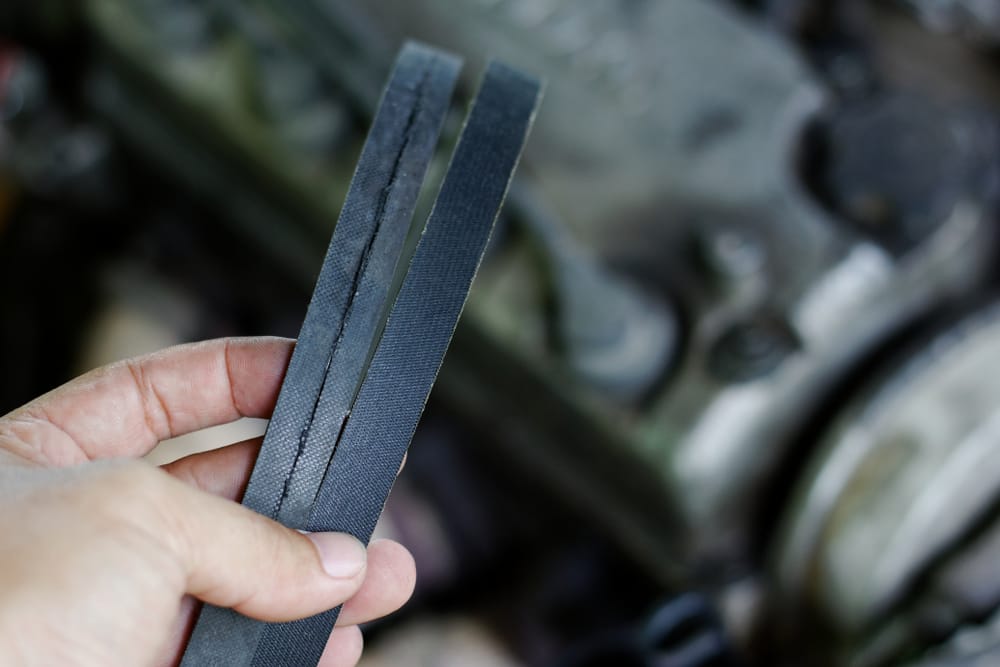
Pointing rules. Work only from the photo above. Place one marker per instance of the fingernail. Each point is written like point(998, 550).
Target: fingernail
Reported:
point(342, 555)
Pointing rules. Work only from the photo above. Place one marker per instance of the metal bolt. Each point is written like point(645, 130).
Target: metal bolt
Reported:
point(733, 254)
point(750, 350)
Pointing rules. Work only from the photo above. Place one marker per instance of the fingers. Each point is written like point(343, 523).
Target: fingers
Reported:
point(344, 647)
point(233, 557)
point(180, 630)
point(222, 472)
point(388, 584)
point(391, 572)
point(125, 409)
point(389, 580)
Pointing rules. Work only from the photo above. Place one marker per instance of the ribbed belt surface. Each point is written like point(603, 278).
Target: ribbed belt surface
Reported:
point(352, 398)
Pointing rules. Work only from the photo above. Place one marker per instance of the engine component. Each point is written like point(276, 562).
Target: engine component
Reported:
point(683, 632)
point(613, 336)
point(898, 167)
point(769, 212)
point(977, 19)
point(908, 475)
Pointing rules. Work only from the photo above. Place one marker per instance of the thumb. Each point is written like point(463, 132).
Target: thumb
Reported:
point(234, 557)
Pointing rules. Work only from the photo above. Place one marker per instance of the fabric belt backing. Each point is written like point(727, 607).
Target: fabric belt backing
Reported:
point(361, 371)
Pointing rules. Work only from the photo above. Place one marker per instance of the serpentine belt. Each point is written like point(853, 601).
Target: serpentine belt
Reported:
point(361, 373)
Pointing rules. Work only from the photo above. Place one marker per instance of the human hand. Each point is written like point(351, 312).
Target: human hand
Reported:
point(102, 555)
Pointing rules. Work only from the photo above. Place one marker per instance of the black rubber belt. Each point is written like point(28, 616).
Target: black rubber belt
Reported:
point(305, 448)
point(342, 321)
point(416, 336)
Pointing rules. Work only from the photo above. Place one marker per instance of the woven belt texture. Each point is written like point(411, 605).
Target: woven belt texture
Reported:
point(361, 371)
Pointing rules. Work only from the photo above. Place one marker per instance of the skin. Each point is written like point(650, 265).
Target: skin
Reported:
point(104, 556)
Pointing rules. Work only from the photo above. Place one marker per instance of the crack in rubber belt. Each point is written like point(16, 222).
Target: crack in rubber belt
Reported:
point(342, 321)
point(416, 336)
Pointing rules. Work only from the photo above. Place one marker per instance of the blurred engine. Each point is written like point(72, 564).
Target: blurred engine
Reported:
point(728, 387)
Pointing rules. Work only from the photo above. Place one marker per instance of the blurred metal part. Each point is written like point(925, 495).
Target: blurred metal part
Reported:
point(23, 85)
point(910, 472)
point(978, 20)
point(230, 102)
point(664, 122)
point(657, 108)
point(684, 132)
point(733, 253)
point(953, 609)
point(47, 153)
point(64, 161)
point(973, 646)
point(751, 350)
point(852, 306)
point(686, 632)
point(897, 165)
point(562, 443)
point(682, 632)
point(615, 338)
